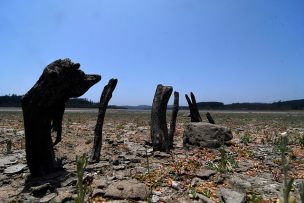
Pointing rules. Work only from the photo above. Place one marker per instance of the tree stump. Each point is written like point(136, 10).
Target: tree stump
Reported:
point(209, 117)
point(43, 107)
point(175, 109)
point(159, 129)
point(103, 104)
point(194, 113)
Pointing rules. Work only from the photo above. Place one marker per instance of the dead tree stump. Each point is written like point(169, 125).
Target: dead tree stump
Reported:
point(103, 104)
point(43, 107)
point(209, 117)
point(159, 130)
point(175, 109)
point(194, 113)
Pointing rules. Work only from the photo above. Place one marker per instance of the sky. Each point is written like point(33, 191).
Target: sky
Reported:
point(221, 50)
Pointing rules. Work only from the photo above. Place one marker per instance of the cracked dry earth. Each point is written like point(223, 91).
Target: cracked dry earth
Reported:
point(129, 170)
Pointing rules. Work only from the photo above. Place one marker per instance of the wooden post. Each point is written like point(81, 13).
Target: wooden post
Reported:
point(103, 104)
point(175, 109)
point(159, 130)
point(194, 113)
point(209, 117)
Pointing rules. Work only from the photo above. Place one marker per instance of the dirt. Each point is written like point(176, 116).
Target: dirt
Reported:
point(170, 177)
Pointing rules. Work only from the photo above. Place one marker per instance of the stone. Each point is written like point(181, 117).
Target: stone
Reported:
point(100, 183)
point(47, 198)
point(154, 199)
point(128, 189)
point(41, 189)
point(17, 168)
point(230, 196)
point(239, 183)
point(204, 173)
point(206, 135)
point(161, 154)
point(8, 160)
point(204, 199)
point(175, 185)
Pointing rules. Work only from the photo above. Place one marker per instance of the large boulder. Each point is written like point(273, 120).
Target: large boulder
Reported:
point(206, 135)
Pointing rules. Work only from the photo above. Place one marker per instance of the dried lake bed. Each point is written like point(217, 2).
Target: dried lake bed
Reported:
point(182, 175)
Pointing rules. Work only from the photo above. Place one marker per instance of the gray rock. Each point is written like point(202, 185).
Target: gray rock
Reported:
point(47, 198)
point(8, 160)
point(17, 168)
point(175, 185)
point(128, 189)
point(119, 167)
point(98, 192)
point(241, 184)
point(161, 154)
point(155, 199)
point(204, 199)
point(230, 196)
point(206, 135)
point(204, 173)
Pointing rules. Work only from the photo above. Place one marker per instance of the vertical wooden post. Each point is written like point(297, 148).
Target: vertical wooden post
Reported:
point(209, 117)
point(194, 113)
point(103, 104)
point(159, 130)
point(175, 109)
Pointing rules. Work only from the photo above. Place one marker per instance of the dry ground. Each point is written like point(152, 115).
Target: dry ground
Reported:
point(125, 131)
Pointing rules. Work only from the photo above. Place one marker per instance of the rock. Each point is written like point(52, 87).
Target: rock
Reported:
point(100, 183)
point(154, 199)
point(195, 181)
point(47, 198)
point(175, 185)
point(161, 154)
point(230, 196)
point(41, 189)
point(20, 133)
point(239, 183)
point(206, 135)
point(204, 199)
point(128, 189)
point(8, 160)
point(119, 167)
point(17, 168)
point(204, 173)
point(98, 192)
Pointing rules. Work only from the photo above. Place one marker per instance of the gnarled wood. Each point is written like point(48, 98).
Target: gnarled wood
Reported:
point(43, 107)
point(194, 113)
point(175, 109)
point(103, 104)
point(159, 129)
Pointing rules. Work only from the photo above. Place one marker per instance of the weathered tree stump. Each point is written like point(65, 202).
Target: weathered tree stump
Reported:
point(103, 104)
point(209, 117)
point(159, 130)
point(175, 109)
point(43, 107)
point(194, 113)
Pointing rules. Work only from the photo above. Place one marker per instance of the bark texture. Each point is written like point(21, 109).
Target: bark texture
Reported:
point(175, 109)
point(103, 104)
point(159, 130)
point(43, 107)
point(194, 113)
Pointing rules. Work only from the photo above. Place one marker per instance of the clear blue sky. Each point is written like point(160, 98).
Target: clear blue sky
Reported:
point(229, 50)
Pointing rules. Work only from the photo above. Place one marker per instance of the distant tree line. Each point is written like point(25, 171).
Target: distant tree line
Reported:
point(15, 101)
